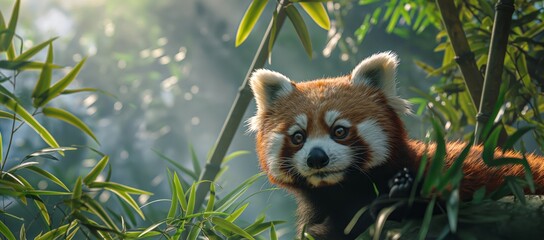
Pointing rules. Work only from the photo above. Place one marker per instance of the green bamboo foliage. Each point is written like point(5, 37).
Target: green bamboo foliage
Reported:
point(466, 33)
point(77, 202)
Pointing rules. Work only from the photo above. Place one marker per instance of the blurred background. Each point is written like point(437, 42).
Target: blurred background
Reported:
point(169, 71)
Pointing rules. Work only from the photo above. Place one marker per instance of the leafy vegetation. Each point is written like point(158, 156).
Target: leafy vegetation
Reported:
point(75, 210)
point(449, 99)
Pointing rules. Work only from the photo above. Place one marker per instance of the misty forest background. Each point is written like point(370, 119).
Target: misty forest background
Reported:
point(168, 71)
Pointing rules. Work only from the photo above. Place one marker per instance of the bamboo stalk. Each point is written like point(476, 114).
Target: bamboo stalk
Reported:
point(237, 110)
point(495, 63)
point(463, 55)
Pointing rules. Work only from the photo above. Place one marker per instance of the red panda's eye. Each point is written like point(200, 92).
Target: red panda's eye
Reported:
point(297, 138)
point(340, 132)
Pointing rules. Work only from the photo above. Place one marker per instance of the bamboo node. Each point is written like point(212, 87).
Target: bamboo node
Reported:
point(464, 57)
point(507, 7)
point(482, 117)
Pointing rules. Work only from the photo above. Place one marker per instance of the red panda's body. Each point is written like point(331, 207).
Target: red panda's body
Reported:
point(328, 141)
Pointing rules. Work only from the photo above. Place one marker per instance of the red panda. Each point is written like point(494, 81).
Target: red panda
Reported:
point(326, 141)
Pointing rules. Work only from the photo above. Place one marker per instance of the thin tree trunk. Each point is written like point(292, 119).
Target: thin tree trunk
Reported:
point(463, 55)
point(495, 64)
point(238, 109)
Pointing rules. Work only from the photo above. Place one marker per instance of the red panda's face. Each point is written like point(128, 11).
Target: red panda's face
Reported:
point(317, 132)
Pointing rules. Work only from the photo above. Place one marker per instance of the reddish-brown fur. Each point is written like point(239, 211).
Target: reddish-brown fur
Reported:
point(476, 173)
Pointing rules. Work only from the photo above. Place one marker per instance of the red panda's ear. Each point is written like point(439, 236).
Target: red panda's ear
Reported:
point(379, 71)
point(268, 86)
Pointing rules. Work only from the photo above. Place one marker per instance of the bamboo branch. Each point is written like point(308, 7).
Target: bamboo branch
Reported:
point(238, 109)
point(463, 55)
point(495, 63)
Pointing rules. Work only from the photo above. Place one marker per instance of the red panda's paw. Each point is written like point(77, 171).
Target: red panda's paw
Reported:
point(401, 184)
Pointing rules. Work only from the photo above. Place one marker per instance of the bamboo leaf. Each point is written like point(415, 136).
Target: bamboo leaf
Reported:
point(318, 13)
point(34, 50)
point(7, 115)
point(118, 187)
point(516, 136)
point(382, 217)
point(22, 232)
point(25, 65)
point(300, 28)
point(31, 65)
point(11, 65)
point(59, 86)
point(129, 200)
point(363, 29)
point(231, 227)
point(43, 211)
point(74, 227)
point(366, 2)
point(21, 166)
point(211, 200)
point(44, 81)
point(45, 193)
point(194, 159)
point(93, 174)
point(273, 235)
point(48, 175)
point(10, 54)
point(150, 228)
point(6, 232)
point(8, 93)
point(29, 119)
point(452, 207)
point(180, 193)
point(195, 231)
point(248, 21)
point(55, 233)
point(97, 209)
point(235, 194)
point(427, 220)
point(66, 116)
point(76, 193)
point(71, 91)
point(437, 163)
point(516, 189)
point(138, 235)
point(173, 207)
point(45, 153)
point(237, 213)
point(234, 155)
point(273, 33)
point(490, 145)
point(191, 201)
point(455, 172)
point(7, 34)
point(177, 165)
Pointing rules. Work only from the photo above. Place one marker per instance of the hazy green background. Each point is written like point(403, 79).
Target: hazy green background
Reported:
point(174, 71)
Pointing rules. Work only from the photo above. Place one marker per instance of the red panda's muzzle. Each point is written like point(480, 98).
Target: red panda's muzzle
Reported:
point(317, 158)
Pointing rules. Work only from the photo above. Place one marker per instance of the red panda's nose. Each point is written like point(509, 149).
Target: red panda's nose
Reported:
point(317, 158)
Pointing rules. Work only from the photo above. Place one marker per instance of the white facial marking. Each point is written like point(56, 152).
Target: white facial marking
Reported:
point(301, 123)
point(302, 120)
point(376, 138)
point(340, 158)
point(343, 123)
point(331, 116)
point(273, 157)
